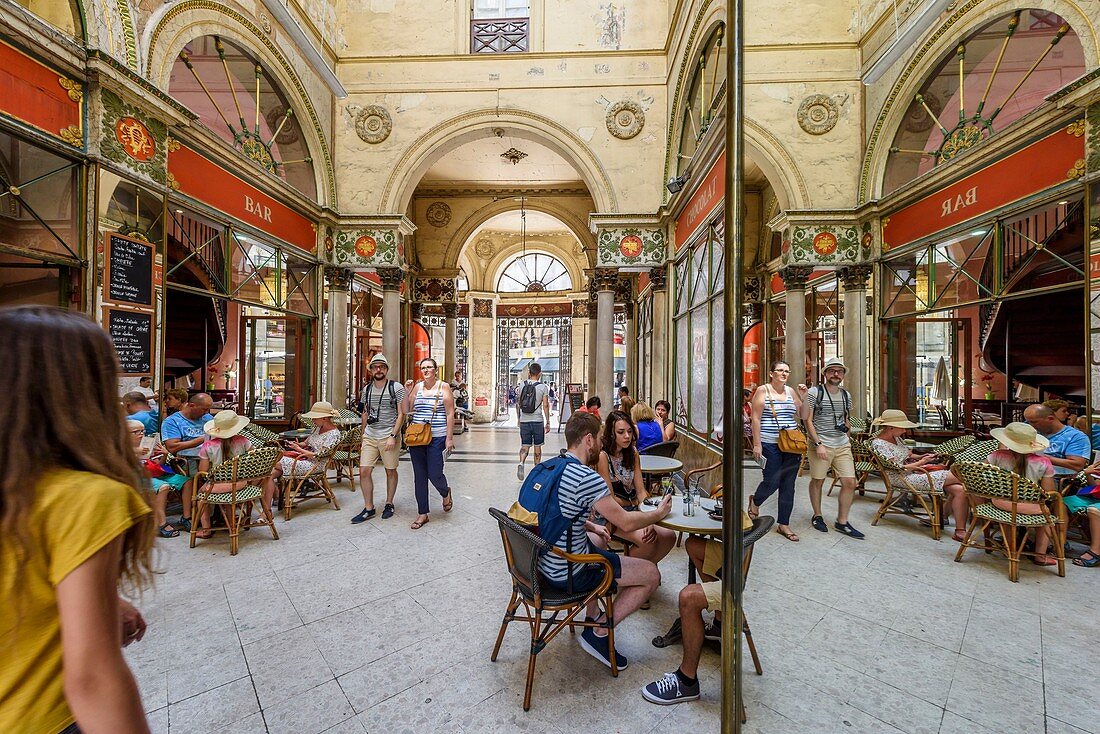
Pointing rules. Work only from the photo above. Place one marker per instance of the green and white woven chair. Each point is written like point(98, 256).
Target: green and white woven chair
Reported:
point(955, 445)
point(308, 485)
point(259, 436)
point(917, 486)
point(865, 467)
point(986, 482)
point(978, 451)
point(243, 473)
point(346, 457)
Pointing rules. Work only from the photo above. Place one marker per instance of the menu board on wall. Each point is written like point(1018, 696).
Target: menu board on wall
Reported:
point(128, 274)
point(132, 334)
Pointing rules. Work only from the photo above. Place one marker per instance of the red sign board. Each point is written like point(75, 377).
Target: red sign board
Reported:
point(38, 95)
point(1043, 164)
point(752, 344)
point(778, 286)
point(481, 401)
point(207, 182)
point(702, 202)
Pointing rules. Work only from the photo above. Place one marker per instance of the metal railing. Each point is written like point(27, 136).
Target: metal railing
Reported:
point(499, 35)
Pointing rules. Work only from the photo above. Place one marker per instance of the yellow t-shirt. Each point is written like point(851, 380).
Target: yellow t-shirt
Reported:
point(74, 515)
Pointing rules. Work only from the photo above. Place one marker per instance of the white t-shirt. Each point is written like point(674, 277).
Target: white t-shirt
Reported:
point(541, 391)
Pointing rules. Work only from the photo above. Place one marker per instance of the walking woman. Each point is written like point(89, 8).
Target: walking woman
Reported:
point(73, 525)
point(774, 408)
point(432, 403)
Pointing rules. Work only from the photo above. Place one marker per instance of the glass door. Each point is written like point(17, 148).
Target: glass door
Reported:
point(275, 367)
point(926, 363)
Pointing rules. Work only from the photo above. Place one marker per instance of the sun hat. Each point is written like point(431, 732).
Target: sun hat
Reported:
point(379, 358)
point(1021, 438)
point(322, 409)
point(226, 424)
point(834, 362)
point(894, 419)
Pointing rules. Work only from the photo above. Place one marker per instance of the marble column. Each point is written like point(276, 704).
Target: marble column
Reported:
point(392, 325)
point(658, 366)
point(856, 352)
point(593, 312)
point(336, 381)
point(450, 351)
point(482, 360)
point(794, 280)
point(606, 283)
point(630, 342)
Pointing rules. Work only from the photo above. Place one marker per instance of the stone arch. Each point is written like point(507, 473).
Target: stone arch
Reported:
point(967, 17)
point(174, 26)
point(109, 26)
point(449, 134)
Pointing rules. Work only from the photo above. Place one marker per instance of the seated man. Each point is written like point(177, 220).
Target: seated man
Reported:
point(182, 434)
point(1070, 450)
point(137, 409)
point(581, 490)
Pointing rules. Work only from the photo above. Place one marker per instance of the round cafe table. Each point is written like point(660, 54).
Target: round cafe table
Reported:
point(295, 435)
point(658, 465)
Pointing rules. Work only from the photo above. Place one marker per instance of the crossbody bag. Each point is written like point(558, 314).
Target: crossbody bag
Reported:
point(791, 440)
point(420, 434)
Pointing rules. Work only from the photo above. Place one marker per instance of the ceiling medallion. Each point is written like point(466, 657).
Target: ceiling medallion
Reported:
point(484, 247)
point(373, 124)
point(513, 156)
point(818, 114)
point(625, 119)
point(439, 214)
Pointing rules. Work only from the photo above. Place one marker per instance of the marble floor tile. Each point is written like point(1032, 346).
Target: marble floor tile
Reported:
point(310, 712)
point(996, 699)
point(214, 709)
point(285, 665)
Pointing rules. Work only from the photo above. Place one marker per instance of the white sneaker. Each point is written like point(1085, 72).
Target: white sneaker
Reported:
point(519, 471)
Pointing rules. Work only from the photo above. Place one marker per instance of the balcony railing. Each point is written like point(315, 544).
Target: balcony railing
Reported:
point(499, 35)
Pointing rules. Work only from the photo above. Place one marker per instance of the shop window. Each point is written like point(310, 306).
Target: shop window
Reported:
point(196, 251)
point(240, 101)
point(704, 92)
point(38, 200)
point(25, 281)
point(823, 337)
point(534, 272)
point(299, 285)
point(644, 376)
point(500, 27)
point(64, 16)
point(255, 274)
point(994, 76)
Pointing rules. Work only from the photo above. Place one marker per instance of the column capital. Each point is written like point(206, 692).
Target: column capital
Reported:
point(658, 278)
point(604, 279)
point(450, 310)
point(855, 277)
point(624, 289)
point(795, 276)
point(391, 278)
point(338, 279)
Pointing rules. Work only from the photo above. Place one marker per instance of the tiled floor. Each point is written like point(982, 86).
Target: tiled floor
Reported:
point(377, 628)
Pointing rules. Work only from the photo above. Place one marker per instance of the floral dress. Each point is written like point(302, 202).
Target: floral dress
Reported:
point(318, 443)
point(900, 455)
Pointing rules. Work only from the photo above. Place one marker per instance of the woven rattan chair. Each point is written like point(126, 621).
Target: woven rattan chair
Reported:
point(309, 485)
point(916, 485)
point(987, 482)
point(664, 448)
point(978, 451)
point(543, 607)
point(259, 436)
point(955, 445)
point(346, 458)
point(865, 467)
point(350, 417)
point(235, 505)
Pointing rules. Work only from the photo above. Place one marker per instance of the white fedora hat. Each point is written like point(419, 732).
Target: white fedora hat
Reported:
point(322, 409)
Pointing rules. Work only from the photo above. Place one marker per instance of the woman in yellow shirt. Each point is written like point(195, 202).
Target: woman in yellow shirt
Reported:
point(73, 525)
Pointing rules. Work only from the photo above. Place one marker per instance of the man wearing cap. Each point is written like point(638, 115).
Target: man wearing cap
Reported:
point(383, 411)
point(826, 411)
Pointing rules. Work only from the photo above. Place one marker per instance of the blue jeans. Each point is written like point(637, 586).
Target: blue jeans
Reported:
point(427, 464)
point(780, 471)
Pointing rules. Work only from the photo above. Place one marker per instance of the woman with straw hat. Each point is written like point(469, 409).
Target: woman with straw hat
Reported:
point(299, 458)
point(223, 443)
point(888, 443)
point(1022, 454)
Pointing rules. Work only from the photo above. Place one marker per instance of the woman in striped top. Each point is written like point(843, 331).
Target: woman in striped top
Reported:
point(775, 407)
point(431, 402)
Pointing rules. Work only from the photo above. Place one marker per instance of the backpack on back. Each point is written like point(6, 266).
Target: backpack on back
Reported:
point(538, 506)
point(528, 402)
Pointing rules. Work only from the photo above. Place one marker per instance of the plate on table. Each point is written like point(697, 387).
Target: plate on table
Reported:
point(714, 516)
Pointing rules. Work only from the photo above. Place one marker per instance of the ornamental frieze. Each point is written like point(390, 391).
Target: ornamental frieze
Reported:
point(630, 247)
point(435, 289)
point(827, 244)
point(132, 139)
point(367, 248)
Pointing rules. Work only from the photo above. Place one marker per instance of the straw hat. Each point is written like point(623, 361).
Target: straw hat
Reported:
point(379, 358)
point(1021, 438)
point(894, 419)
point(322, 409)
point(226, 424)
point(834, 362)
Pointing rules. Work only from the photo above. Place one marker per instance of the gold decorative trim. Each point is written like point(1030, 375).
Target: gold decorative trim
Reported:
point(172, 182)
point(171, 144)
point(1076, 128)
point(76, 92)
point(72, 135)
point(1077, 171)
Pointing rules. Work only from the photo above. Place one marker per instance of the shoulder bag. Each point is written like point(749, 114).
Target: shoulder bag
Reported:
point(420, 434)
point(791, 440)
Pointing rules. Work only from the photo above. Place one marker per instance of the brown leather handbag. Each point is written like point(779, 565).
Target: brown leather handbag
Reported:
point(420, 434)
point(791, 440)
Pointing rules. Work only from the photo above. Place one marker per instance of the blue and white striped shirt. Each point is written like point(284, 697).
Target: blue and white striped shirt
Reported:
point(428, 408)
point(779, 412)
point(580, 487)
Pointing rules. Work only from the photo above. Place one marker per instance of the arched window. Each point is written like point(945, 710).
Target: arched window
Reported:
point(994, 76)
point(534, 272)
point(708, 82)
point(65, 16)
point(241, 103)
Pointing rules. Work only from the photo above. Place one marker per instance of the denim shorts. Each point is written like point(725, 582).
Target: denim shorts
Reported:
point(532, 433)
point(589, 576)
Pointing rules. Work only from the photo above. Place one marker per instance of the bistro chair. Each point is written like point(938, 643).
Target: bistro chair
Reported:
point(542, 607)
point(346, 457)
point(978, 451)
point(302, 421)
point(916, 485)
point(664, 448)
point(865, 467)
point(235, 504)
point(259, 436)
point(987, 482)
point(953, 446)
point(309, 485)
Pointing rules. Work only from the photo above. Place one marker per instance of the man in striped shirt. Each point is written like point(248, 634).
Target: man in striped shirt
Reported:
point(581, 490)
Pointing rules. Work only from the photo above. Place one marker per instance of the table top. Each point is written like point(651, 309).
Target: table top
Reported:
point(299, 433)
point(919, 444)
point(659, 464)
point(699, 524)
point(348, 421)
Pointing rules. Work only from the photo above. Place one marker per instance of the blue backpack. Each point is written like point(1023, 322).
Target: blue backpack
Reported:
point(538, 500)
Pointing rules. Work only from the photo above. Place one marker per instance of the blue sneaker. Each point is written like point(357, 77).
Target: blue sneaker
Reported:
point(669, 689)
point(598, 648)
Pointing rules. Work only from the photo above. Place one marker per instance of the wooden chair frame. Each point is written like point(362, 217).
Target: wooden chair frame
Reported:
point(917, 484)
point(240, 497)
point(298, 488)
point(543, 615)
point(346, 457)
point(865, 466)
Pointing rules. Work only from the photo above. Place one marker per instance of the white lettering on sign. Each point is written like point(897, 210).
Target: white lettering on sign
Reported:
point(951, 205)
point(255, 207)
point(703, 199)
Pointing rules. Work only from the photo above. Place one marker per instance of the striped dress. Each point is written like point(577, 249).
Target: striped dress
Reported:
point(783, 416)
point(423, 411)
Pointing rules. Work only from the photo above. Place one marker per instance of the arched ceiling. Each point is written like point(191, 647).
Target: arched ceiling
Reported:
point(511, 221)
point(479, 162)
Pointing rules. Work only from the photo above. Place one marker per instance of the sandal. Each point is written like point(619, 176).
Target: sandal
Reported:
point(204, 534)
point(167, 531)
point(417, 524)
point(789, 535)
point(958, 536)
point(448, 501)
point(1091, 562)
point(1048, 561)
point(754, 511)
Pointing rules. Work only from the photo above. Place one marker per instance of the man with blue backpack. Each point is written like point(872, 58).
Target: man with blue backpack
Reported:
point(559, 496)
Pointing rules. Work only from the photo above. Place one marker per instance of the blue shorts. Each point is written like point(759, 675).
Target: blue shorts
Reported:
point(532, 433)
point(589, 576)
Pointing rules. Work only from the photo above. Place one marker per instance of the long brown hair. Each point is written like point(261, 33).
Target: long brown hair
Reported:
point(59, 377)
point(609, 443)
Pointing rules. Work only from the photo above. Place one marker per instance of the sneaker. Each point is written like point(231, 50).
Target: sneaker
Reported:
point(598, 648)
point(669, 689)
point(363, 516)
point(818, 523)
point(848, 530)
point(387, 512)
point(713, 631)
point(519, 471)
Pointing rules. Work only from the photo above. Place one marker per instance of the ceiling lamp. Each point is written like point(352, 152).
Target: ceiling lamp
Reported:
point(513, 156)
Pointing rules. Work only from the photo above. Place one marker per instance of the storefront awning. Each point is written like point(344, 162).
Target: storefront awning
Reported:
point(520, 365)
point(550, 364)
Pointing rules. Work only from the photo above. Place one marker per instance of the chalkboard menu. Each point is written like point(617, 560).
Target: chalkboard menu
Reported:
point(575, 391)
point(132, 334)
point(128, 277)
